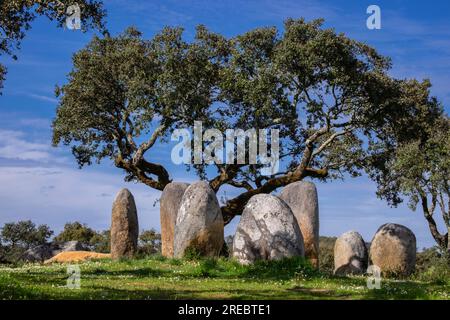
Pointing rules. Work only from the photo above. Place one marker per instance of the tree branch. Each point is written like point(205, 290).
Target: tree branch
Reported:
point(227, 174)
point(329, 141)
point(139, 154)
point(440, 239)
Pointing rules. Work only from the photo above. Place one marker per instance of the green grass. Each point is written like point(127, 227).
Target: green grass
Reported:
point(159, 278)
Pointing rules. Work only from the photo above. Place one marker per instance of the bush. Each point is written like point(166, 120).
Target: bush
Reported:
point(101, 242)
point(95, 241)
point(326, 254)
point(75, 231)
point(433, 265)
point(149, 243)
point(2, 254)
point(17, 237)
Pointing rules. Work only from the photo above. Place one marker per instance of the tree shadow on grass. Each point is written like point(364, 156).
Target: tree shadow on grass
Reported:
point(143, 272)
point(399, 291)
point(205, 294)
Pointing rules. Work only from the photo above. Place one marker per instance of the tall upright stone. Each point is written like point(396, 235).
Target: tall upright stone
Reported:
point(393, 249)
point(267, 231)
point(302, 198)
point(124, 226)
point(350, 254)
point(199, 225)
point(169, 205)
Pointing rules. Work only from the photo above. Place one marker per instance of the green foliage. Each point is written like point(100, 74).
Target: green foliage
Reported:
point(149, 242)
point(175, 262)
point(3, 252)
point(207, 266)
point(425, 165)
point(101, 242)
point(17, 237)
point(326, 254)
point(296, 267)
point(419, 169)
point(192, 254)
point(153, 278)
point(433, 265)
point(25, 234)
point(16, 17)
point(75, 231)
point(331, 97)
point(131, 82)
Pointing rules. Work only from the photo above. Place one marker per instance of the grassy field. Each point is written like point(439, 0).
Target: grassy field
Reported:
point(159, 278)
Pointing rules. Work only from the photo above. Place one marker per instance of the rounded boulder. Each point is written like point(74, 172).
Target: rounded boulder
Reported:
point(350, 254)
point(393, 249)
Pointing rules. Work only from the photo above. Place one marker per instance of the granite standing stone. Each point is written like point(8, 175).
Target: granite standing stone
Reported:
point(267, 231)
point(199, 226)
point(169, 205)
point(124, 226)
point(302, 198)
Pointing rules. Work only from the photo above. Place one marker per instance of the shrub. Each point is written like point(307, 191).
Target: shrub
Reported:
point(433, 265)
point(101, 242)
point(149, 243)
point(3, 254)
point(326, 254)
point(75, 231)
point(17, 237)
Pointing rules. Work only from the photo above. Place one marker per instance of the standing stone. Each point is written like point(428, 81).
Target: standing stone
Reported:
point(393, 249)
point(199, 225)
point(124, 226)
point(302, 198)
point(350, 254)
point(169, 205)
point(267, 231)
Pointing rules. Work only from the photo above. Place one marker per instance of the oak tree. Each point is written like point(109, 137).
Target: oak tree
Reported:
point(331, 98)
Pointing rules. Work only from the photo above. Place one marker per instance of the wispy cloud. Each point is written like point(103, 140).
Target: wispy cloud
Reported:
point(38, 123)
point(42, 97)
point(14, 146)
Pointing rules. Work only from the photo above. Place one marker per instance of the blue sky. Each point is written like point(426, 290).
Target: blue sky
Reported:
point(43, 184)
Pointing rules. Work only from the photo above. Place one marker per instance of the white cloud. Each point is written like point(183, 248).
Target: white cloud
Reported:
point(39, 123)
point(58, 195)
point(14, 146)
point(43, 98)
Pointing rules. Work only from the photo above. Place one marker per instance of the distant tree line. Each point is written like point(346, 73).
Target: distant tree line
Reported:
point(17, 237)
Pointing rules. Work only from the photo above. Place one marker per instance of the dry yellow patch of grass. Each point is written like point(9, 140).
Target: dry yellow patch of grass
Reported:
point(77, 256)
